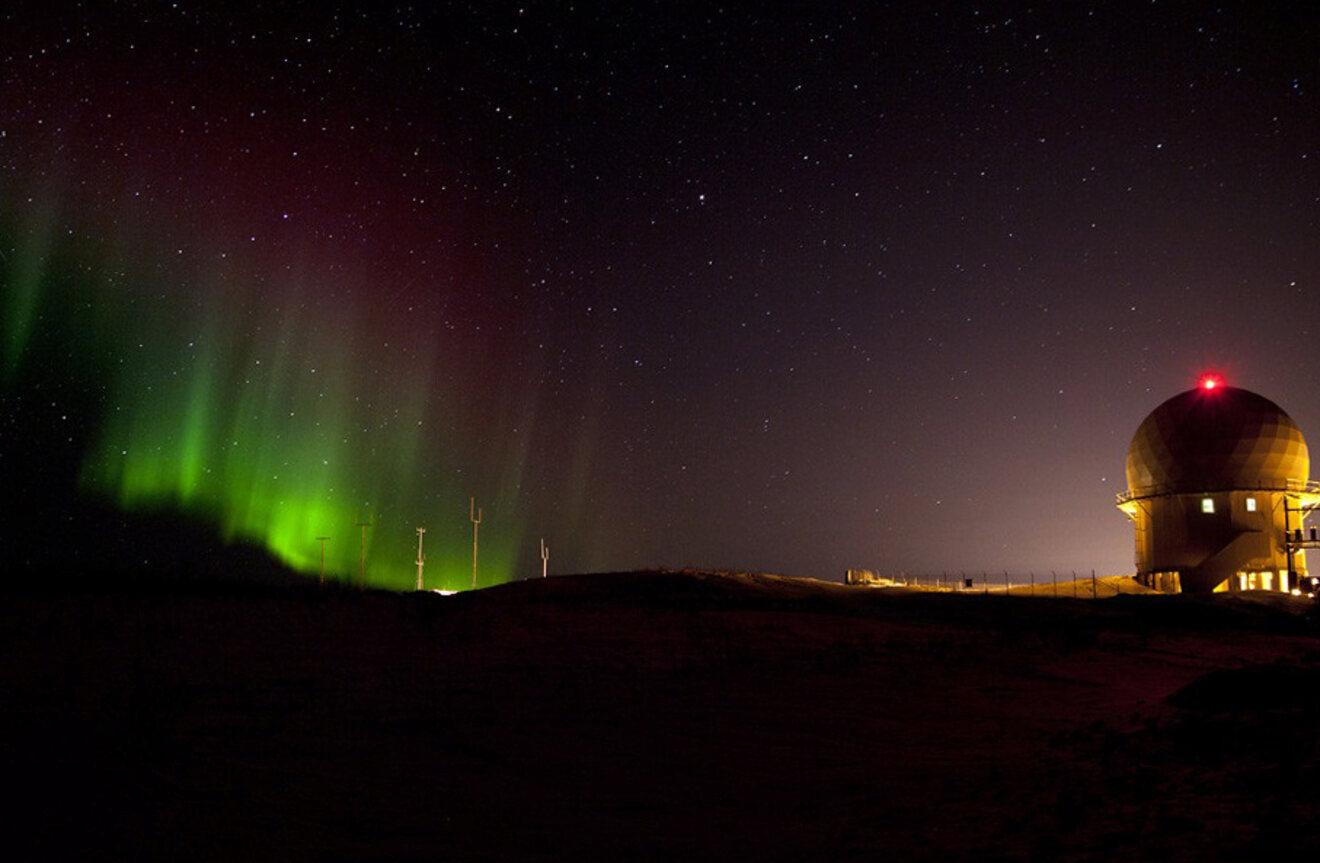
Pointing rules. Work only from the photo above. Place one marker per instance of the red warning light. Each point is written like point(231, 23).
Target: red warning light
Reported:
point(1211, 382)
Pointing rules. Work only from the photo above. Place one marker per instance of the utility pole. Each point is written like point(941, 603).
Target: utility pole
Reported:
point(545, 557)
point(322, 540)
point(421, 558)
point(362, 561)
point(474, 515)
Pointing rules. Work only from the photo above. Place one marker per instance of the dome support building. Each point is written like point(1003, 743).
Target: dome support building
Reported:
point(1218, 491)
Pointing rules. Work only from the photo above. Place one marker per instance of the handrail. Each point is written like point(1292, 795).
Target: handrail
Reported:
point(1295, 486)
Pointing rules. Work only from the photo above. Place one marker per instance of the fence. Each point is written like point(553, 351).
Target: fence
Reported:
point(1049, 584)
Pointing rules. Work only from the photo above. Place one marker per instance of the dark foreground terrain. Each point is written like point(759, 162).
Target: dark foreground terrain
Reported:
point(657, 716)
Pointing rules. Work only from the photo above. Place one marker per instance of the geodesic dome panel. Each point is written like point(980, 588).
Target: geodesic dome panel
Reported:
point(1216, 439)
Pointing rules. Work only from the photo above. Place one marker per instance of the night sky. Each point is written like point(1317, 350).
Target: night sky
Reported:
point(668, 284)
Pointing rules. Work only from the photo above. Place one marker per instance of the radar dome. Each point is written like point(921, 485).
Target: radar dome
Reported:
point(1214, 439)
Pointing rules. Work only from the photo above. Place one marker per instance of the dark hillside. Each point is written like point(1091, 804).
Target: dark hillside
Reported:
point(656, 716)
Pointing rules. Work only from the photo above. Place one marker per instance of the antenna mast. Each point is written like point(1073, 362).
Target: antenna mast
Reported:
point(421, 558)
point(362, 561)
point(474, 515)
point(322, 540)
point(545, 556)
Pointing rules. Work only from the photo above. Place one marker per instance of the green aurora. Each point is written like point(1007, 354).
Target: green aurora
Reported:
point(231, 396)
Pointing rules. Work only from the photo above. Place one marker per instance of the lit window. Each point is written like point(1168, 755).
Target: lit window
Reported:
point(1251, 504)
point(1207, 504)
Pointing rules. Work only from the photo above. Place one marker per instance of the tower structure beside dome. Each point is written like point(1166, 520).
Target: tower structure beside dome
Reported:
point(1218, 489)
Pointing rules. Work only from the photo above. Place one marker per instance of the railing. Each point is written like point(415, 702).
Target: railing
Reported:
point(1292, 486)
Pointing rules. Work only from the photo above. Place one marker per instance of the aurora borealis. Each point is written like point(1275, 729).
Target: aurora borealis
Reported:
point(792, 289)
point(247, 410)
